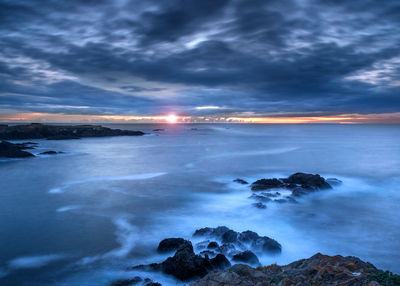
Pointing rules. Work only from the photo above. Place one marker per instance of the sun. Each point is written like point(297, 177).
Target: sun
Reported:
point(172, 118)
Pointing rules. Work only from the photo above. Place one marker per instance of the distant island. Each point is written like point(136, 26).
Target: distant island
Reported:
point(50, 132)
point(60, 132)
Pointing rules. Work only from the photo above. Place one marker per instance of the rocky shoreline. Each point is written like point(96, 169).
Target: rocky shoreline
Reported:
point(60, 132)
point(226, 257)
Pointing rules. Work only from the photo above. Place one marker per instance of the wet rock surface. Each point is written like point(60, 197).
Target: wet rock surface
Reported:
point(60, 132)
point(286, 190)
point(233, 242)
point(319, 269)
point(170, 244)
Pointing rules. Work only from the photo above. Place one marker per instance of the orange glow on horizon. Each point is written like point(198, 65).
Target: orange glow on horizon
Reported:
point(172, 118)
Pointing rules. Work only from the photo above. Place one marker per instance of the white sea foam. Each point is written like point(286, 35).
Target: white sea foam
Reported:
point(135, 177)
point(34, 261)
point(68, 208)
point(127, 236)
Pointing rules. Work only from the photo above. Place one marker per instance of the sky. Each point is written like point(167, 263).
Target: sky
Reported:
point(263, 61)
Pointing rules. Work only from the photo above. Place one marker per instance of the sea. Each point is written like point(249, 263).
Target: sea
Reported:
point(85, 216)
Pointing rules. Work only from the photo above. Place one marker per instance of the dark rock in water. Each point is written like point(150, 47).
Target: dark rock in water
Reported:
point(212, 245)
point(127, 282)
point(240, 181)
point(246, 257)
point(261, 198)
point(10, 150)
point(185, 264)
point(319, 269)
point(158, 129)
point(60, 132)
point(170, 244)
point(49, 153)
point(26, 145)
point(265, 184)
point(229, 236)
point(153, 284)
point(259, 205)
point(308, 181)
point(220, 262)
point(232, 239)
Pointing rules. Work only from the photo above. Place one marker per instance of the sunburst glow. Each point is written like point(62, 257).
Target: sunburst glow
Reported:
point(172, 118)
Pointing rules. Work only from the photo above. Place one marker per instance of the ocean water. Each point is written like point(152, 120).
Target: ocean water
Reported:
point(83, 217)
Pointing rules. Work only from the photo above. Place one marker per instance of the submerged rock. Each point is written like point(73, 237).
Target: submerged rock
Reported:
point(260, 205)
point(60, 132)
point(240, 181)
point(317, 270)
point(10, 150)
point(49, 153)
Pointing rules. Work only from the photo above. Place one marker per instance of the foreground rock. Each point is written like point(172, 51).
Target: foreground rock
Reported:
point(170, 244)
point(60, 132)
point(319, 269)
point(10, 150)
point(185, 264)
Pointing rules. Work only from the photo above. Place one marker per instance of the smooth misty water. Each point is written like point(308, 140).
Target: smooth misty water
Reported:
point(82, 217)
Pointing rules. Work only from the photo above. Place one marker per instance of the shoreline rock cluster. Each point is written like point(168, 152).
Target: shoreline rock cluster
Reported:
point(60, 132)
point(17, 150)
point(221, 245)
point(282, 190)
point(319, 269)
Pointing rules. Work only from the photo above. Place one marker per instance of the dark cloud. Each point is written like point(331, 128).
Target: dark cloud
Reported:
point(136, 57)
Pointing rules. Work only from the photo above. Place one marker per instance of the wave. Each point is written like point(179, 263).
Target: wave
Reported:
point(145, 176)
point(244, 153)
point(68, 208)
point(34, 261)
point(127, 236)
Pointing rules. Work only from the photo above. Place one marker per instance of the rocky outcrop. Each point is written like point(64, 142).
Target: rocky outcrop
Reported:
point(296, 185)
point(170, 244)
point(10, 150)
point(60, 132)
point(319, 269)
point(246, 257)
point(233, 242)
point(307, 182)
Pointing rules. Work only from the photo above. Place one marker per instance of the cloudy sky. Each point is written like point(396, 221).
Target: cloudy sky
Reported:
point(217, 59)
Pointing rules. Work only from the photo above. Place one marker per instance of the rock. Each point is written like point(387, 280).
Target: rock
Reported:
point(240, 181)
point(246, 257)
point(185, 264)
point(212, 245)
point(10, 150)
point(220, 262)
point(319, 269)
point(49, 153)
point(265, 184)
point(153, 284)
point(259, 205)
point(158, 129)
point(260, 198)
point(232, 240)
point(170, 244)
point(60, 132)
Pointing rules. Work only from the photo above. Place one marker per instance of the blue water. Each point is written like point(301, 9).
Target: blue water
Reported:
point(83, 217)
